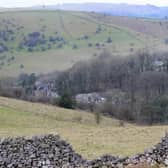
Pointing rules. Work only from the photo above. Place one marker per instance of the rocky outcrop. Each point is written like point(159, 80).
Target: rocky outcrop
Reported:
point(51, 152)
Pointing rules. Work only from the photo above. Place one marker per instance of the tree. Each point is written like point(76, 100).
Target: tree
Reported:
point(98, 117)
point(109, 40)
point(66, 101)
point(162, 104)
point(27, 82)
point(155, 112)
point(149, 114)
point(75, 46)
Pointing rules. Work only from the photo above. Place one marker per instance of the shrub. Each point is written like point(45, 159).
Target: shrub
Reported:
point(60, 46)
point(97, 44)
point(21, 66)
point(49, 46)
point(90, 45)
point(43, 49)
point(85, 37)
point(12, 58)
point(75, 46)
point(109, 40)
point(99, 29)
point(66, 101)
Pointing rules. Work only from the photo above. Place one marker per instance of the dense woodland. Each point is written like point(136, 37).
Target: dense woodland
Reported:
point(143, 78)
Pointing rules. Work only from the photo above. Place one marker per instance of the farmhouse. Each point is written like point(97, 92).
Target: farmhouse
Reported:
point(45, 90)
point(90, 98)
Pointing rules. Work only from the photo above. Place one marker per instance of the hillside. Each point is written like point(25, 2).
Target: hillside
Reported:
point(116, 9)
point(45, 41)
point(78, 128)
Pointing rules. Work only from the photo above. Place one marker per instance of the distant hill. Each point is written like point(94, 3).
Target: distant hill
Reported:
point(123, 9)
point(120, 9)
point(42, 41)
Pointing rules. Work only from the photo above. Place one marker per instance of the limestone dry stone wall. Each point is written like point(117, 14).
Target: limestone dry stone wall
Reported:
point(51, 152)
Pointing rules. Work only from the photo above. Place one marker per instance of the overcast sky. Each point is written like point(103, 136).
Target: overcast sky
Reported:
point(24, 3)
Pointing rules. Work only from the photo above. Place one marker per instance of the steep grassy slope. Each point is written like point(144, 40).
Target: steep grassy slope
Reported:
point(44, 41)
point(157, 28)
point(79, 128)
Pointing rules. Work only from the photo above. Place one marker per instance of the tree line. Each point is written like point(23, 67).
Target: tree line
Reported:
point(142, 77)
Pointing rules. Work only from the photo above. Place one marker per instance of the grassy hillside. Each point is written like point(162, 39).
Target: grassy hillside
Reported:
point(44, 41)
point(79, 128)
point(156, 28)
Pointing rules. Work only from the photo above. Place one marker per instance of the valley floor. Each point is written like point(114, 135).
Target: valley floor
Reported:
point(78, 128)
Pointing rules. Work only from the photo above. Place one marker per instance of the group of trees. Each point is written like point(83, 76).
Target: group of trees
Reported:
point(35, 40)
point(125, 73)
point(3, 47)
point(7, 34)
point(143, 77)
point(21, 87)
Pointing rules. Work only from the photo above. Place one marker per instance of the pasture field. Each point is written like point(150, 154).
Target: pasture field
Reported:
point(19, 118)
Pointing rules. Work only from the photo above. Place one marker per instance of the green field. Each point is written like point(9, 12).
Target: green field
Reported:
point(76, 28)
point(77, 127)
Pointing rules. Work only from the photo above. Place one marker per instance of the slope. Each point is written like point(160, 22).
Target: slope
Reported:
point(45, 41)
point(77, 127)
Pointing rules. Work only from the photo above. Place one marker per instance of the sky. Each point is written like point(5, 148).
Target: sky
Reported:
point(25, 3)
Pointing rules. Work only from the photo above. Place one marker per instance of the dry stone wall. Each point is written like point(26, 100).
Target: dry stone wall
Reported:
point(38, 152)
point(51, 152)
